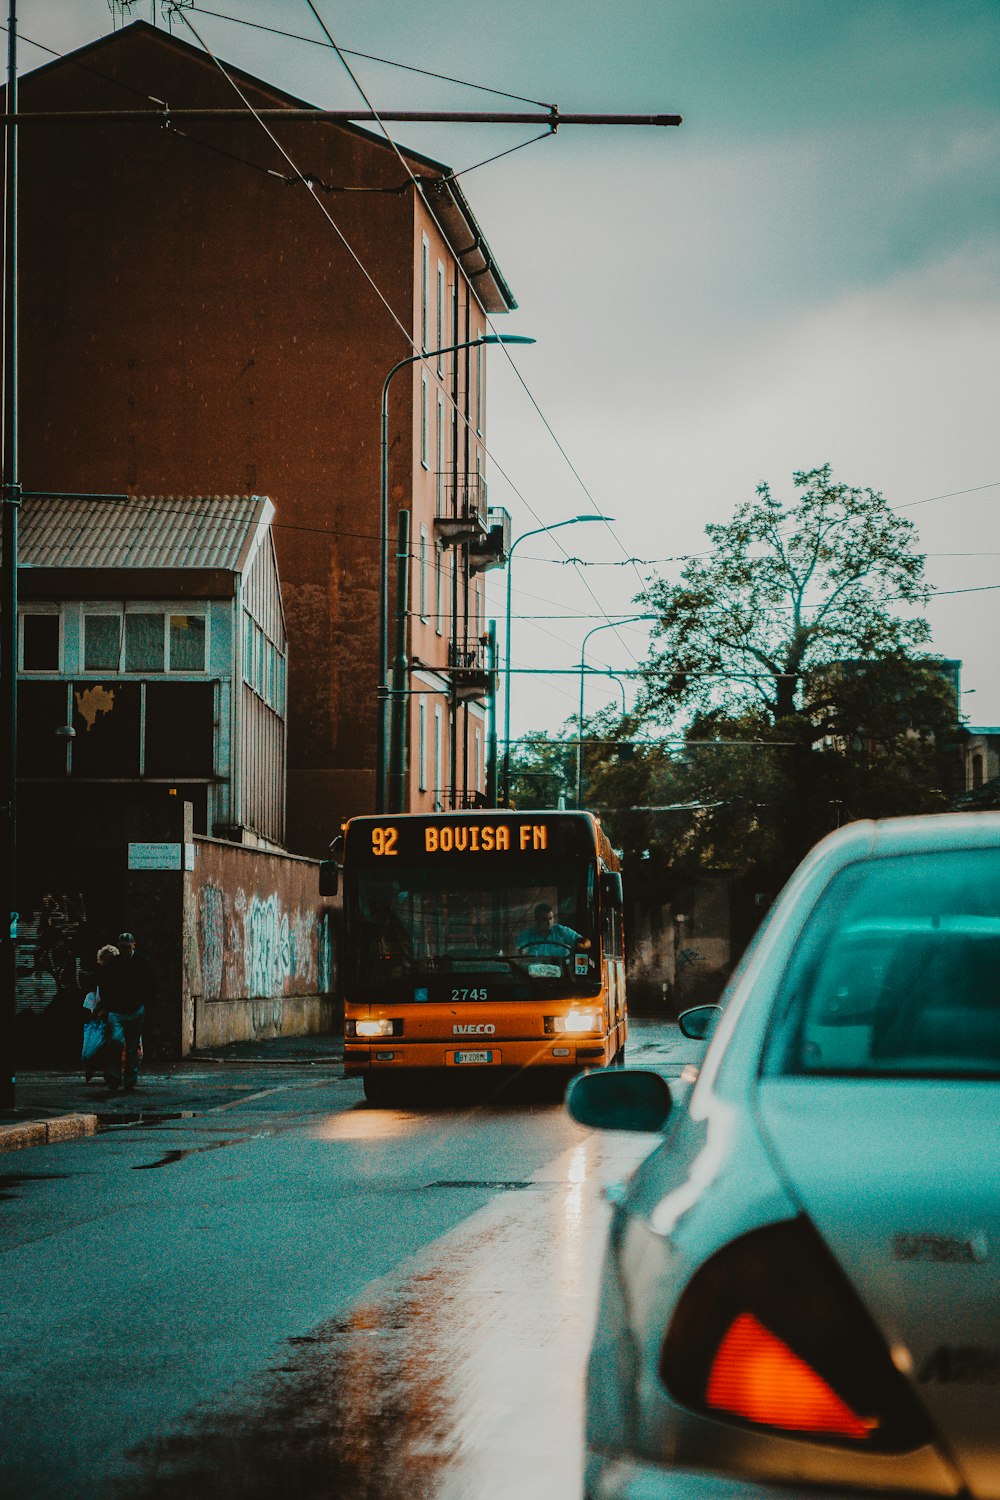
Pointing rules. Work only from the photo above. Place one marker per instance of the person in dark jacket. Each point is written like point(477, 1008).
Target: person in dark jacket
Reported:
point(128, 985)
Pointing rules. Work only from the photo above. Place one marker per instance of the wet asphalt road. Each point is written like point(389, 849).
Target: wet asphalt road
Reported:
point(286, 1292)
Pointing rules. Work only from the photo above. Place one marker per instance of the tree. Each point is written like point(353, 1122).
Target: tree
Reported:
point(784, 591)
point(796, 635)
point(542, 770)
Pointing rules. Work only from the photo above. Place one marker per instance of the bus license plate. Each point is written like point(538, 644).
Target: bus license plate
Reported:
point(473, 1057)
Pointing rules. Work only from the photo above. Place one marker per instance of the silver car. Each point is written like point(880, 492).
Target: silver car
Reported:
point(801, 1291)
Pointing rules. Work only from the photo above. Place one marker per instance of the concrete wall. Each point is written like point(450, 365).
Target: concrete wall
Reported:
point(258, 948)
point(682, 954)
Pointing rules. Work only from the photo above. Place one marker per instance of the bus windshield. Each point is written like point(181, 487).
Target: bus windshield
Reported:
point(524, 933)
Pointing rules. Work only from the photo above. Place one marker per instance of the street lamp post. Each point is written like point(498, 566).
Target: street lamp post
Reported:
point(381, 737)
point(538, 530)
point(605, 625)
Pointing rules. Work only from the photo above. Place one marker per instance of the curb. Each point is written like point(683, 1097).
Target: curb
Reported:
point(266, 1062)
point(46, 1132)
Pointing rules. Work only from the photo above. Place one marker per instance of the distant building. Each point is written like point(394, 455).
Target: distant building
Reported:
point(192, 321)
point(981, 752)
point(152, 660)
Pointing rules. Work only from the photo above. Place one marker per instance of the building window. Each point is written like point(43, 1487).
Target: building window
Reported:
point(423, 573)
point(153, 642)
point(425, 252)
point(248, 630)
point(440, 317)
point(438, 591)
point(439, 458)
point(144, 648)
point(102, 643)
point(422, 744)
point(438, 736)
point(977, 769)
point(263, 665)
point(477, 770)
point(479, 389)
point(39, 643)
point(187, 643)
point(423, 420)
point(446, 589)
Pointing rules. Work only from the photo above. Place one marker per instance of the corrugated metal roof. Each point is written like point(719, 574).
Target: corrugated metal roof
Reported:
point(144, 531)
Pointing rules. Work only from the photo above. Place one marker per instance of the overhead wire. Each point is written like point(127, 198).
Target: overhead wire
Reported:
point(416, 182)
point(312, 41)
point(314, 185)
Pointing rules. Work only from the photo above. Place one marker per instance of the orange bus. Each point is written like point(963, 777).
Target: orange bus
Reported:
point(480, 941)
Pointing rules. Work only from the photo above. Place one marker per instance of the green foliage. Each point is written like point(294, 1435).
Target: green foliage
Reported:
point(795, 680)
point(788, 680)
point(542, 771)
point(782, 592)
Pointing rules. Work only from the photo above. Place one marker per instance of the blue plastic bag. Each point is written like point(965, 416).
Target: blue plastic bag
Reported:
point(95, 1034)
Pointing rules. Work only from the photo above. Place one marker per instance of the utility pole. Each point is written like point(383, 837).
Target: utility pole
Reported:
point(8, 595)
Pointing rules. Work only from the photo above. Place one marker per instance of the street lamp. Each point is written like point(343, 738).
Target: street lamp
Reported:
point(606, 625)
point(538, 530)
point(383, 572)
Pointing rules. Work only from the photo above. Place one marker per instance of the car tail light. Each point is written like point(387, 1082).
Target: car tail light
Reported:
point(770, 1333)
point(756, 1376)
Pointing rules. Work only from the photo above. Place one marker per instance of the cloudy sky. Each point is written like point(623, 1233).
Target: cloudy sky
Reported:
point(807, 271)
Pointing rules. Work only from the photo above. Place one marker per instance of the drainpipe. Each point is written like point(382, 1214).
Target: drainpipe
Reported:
point(399, 702)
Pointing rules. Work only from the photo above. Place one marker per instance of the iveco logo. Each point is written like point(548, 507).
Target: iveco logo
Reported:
point(484, 1030)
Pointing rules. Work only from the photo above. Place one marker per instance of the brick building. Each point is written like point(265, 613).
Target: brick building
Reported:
point(192, 323)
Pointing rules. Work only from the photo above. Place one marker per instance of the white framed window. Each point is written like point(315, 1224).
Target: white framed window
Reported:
point(477, 770)
point(439, 457)
point(423, 573)
point(479, 389)
point(439, 311)
point(438, 745)
point(422, 744)
point(41, 640)
point(425, 256)
point(423, 420)
point(438, 591)
point(141, 640)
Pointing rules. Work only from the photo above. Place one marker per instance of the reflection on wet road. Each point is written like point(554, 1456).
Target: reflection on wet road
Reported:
point(459, 1375)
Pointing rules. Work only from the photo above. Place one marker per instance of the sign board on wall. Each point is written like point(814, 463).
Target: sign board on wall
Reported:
point(161, 856)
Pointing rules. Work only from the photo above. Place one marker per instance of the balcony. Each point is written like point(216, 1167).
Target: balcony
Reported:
point(492, 550)
point(463, 518)
point(469, 670)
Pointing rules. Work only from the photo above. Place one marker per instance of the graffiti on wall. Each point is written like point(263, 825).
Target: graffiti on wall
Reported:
point(258, 946)
point(211, 931)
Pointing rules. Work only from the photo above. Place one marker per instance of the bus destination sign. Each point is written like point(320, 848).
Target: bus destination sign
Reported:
point(424, 838)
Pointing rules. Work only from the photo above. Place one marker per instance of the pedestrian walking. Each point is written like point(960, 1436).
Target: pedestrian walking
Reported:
point(129, 986)
point(95, 1026)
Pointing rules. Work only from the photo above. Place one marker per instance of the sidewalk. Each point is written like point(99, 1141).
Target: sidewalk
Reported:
point(60, 1106)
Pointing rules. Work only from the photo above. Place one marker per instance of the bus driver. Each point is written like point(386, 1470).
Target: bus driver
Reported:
point(548, 938)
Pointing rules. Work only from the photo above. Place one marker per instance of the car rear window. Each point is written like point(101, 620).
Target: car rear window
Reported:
point(897, 972)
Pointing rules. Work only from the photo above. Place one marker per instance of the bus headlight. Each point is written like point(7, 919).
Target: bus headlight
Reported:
point(376, 1028)
point(574, 1022)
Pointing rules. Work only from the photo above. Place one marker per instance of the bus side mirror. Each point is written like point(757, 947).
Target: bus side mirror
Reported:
point(611, 888)
point(329, 877)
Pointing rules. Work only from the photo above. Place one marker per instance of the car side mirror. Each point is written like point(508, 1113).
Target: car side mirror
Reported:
point(611, 888)
point(699, 1022)
point(329, 877)
point(620, 1099)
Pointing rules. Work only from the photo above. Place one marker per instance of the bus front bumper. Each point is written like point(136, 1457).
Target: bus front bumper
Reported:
point(475, 1052)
